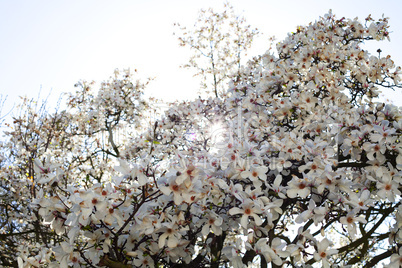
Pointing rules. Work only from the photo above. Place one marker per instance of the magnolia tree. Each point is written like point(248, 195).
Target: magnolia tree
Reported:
point(298, 166)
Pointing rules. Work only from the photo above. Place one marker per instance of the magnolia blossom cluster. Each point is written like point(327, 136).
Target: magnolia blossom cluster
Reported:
point(219, 41)
point(307, 169)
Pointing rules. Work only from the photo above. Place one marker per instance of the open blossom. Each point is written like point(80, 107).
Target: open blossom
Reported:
point(172, 233)
point(143, 260)
point(46, 172)
point(255, 174)
point(383, 134)
point(280, 164)
point(323, 252)
point(213, 222)
point(313, 212)
point(277, 187)
point(132, 172)
point(388, 188)
point(360, 201)
point(232, 251)
point(176, 189)
point(90, 201)
point(249, 209)
point(272, 253)
point(350, 221)
point(298, 187)
point(186, 173)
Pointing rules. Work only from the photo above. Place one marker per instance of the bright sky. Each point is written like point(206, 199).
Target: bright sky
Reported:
point(48, 46)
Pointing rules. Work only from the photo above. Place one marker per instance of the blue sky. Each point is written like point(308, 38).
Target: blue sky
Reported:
point(48, 46)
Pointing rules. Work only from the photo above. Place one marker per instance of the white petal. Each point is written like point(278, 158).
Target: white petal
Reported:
point(234, 211)
point(20, 262)
point(162, 240)
point(172, 241)
point(205, 229)
point(244, 220)
point(257, 219)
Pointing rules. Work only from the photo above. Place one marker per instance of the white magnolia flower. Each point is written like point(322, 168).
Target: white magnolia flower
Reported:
point(350, 221)
point(249, 209)
point(323, 252)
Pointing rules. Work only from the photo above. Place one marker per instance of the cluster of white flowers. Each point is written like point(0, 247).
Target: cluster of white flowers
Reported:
point(304, 143)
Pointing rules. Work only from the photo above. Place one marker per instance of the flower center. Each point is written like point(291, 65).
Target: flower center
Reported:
point(175, 188)
point(313, 166)
point(388, 187)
